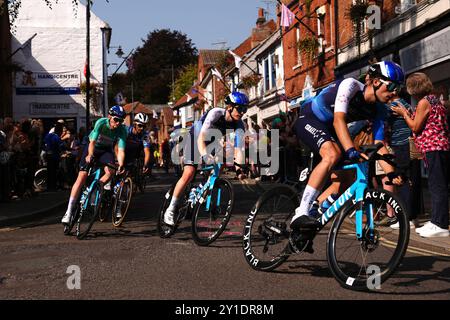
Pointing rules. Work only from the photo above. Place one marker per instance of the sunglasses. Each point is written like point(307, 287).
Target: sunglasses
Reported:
point(391, 86)
point(116, 119)
point(140, 125)
point(241, 109)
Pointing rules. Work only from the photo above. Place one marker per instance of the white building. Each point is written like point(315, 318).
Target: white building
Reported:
point(54, 62)
point(266, 98)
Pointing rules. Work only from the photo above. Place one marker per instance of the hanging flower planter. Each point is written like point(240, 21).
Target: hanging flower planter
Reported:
point(308, 46)
point(357, 13)
point(250, 81)
point(95, 93)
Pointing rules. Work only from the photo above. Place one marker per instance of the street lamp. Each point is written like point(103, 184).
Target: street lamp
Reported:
point(120, 54)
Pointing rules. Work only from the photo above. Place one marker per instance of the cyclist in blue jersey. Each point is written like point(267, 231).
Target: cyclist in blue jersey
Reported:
point(322, 126)
point(216, 118)
point(138, 139)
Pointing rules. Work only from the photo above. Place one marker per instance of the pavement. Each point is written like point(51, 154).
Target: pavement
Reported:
point(20, 212)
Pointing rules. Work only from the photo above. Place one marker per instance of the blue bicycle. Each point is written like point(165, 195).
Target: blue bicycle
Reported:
point(209, 204)
point(90, 203)
point(356, 244)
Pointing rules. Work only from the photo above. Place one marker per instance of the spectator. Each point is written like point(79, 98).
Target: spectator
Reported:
point(399, 133)
point(53, 148)
point(431, 133)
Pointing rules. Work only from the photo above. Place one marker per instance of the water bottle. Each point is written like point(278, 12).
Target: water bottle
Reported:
point(199, 189)
point(192, 195)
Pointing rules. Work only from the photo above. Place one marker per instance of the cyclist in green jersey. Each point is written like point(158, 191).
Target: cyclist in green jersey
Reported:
point(106, 133)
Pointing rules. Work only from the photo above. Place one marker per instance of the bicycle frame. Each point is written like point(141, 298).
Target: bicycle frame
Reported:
point(356, 191)
point(209, 184)
point(97, 174)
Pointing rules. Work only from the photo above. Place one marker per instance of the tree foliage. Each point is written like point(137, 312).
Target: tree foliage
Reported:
point(153, 62)
point(184, 81)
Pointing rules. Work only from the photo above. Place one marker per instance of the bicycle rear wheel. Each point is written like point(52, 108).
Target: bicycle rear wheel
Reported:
point(89, 215)
point(356, 264)
point(212, 213)
point(121, 201)
point(266, 232)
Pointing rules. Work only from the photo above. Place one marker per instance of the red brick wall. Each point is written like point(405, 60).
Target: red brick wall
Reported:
point(321, 75)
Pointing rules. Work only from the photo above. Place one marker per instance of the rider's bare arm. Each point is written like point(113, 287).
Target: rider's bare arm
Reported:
point(340, 125)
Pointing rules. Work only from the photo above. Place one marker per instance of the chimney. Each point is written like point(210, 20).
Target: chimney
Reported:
point(261, 18)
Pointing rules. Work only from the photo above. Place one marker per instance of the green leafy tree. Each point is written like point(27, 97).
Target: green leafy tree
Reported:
point(184, 81)
point(163, 51)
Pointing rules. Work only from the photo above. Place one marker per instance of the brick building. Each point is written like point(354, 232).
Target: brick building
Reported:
point(306, 71)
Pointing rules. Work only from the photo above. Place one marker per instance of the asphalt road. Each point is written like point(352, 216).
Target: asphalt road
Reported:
point(133, 262)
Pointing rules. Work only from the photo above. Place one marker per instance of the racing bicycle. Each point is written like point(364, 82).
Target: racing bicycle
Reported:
point(355, 242)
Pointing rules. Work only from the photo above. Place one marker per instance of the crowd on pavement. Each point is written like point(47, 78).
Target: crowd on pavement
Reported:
point(25, 147)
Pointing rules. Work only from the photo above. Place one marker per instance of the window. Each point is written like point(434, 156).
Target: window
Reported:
point(299, 54)
point(405, 5)
point(273, 57)
point(270, 74)
point(266, 74)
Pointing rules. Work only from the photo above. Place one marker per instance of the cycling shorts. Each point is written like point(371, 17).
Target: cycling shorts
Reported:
point(104, 156)
point(311, 131)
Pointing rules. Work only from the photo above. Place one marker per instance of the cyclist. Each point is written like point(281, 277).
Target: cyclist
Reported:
point(322, 126)
point(216, 118)
point(107, 131)
point(137, 139)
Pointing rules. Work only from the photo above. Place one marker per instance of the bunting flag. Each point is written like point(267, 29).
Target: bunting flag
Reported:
point(216, 73)
point(85, 69)
point(287, 17)
point(237, 59)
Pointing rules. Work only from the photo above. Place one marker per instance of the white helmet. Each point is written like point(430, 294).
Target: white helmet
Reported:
point(141, 118)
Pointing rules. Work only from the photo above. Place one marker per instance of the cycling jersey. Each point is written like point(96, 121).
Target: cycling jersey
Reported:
point(135, 143)
point(105, 138)
point(315, 123)
point(214, 119)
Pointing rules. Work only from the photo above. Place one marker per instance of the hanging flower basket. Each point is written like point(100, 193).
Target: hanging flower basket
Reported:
point(308, 46)
point(250, 81)
point(95, 93)
point(357, 13)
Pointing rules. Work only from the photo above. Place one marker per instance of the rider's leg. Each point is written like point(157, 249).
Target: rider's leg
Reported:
point(186, 178)
point(331, 154)
point(340, 181)
point(74, 194)
point(107, 176)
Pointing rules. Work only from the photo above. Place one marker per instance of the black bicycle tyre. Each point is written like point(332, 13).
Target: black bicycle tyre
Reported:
point(256, 262)
point(349, 282)
point(201, 241)
point(164, 230)
point(40, 179)
point(87, 217)
point(118, 223)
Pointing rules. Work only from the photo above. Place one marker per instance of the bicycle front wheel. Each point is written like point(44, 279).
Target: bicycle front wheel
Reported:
point(89, 212)
point(362, 264)
point(121, 202)
point(266, 232)
point(212, 213)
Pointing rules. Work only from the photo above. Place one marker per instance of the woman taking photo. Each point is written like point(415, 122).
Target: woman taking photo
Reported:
point(431, 136)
